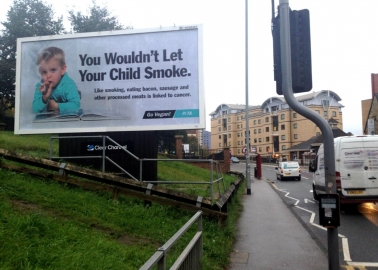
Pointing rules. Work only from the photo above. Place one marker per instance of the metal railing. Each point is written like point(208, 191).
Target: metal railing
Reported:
point(214, 172)
point(103, 156)
point(217, 171)
point(190, 257)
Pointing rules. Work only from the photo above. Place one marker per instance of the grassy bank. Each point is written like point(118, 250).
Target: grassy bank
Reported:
point(46, 225)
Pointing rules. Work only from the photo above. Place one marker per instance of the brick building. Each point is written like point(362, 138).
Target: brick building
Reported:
point(273, 126)
point(369, 108)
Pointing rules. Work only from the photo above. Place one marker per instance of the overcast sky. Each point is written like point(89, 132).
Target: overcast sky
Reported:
point(344, 46)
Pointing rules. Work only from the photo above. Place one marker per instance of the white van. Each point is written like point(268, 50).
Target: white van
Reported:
point(288, 169)
point(356, 169)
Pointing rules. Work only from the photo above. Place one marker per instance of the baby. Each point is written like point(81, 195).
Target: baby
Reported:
point(56, 91)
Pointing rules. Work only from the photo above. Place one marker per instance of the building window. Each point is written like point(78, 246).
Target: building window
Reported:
point(294, 115)
point(282, 127)
point(260, 140)
point(238, 134)
point(219, 121)
point(259, 121)
point(229, 135)
point(266, 119)
point(229, 127)
point(238, 126)
point(333, 114)
point(295, 136)
point(266, 139)
point(229, 119)
point(317, 111)
point(259, 130)
point(254, 131)
point(254, 122)
point(220, 145)
point(266, 129)
point(260, 149)
point(326, 113)
point(282, 116)
point(255, 140)
point(219, 129)
point(238, 151)
point(238, 142)
point(283, 147)
point(237, 118)
point(295, 126)
point(220, 137)
point(229, 143)
point(283, 137)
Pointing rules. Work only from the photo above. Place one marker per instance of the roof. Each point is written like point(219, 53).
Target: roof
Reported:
point(304, 97)
point(336, 133)
point(333, 121)
point(239, 107)
point(304, 146)
point(315, 141)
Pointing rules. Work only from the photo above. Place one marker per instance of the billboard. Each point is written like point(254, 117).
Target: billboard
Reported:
point(129, 80)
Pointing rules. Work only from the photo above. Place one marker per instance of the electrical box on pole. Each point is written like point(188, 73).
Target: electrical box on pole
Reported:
point(300, 44)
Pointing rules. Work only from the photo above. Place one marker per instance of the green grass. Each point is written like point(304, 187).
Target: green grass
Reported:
point(47, 225)
point(33, 145)
point(185, 172)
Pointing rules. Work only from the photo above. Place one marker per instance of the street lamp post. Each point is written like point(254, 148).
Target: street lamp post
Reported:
point(247, 153)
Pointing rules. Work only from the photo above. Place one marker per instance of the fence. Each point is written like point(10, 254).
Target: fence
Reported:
point(215, 170)
point(190, 258)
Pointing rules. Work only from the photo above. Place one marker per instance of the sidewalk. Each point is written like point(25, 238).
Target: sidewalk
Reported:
point(269, 236)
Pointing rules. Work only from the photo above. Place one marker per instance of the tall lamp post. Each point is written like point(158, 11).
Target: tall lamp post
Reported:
point(247, 151)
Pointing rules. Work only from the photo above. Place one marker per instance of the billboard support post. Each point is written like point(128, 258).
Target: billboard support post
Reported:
point(329, 151)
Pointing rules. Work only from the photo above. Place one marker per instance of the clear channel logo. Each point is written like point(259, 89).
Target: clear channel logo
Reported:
point(93, 147)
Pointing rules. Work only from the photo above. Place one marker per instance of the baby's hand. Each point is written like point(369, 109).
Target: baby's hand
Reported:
point(52, 105)
point(45, 88)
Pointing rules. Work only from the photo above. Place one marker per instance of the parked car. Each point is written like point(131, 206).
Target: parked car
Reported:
point(235, 160)
point(288, 169)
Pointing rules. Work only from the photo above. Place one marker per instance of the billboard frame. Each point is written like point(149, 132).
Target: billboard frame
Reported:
point(63, 127)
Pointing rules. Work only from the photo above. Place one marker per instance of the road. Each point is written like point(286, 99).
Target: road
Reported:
point(358, 232)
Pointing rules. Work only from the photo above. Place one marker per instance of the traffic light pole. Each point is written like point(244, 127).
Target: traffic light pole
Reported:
point(329, 151)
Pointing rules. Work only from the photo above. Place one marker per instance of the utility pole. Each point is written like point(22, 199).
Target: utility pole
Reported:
point(329, 151)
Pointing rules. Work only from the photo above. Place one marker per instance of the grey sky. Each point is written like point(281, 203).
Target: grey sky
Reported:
point(344, 49)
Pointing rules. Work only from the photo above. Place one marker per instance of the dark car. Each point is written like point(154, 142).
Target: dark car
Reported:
point(234, 160)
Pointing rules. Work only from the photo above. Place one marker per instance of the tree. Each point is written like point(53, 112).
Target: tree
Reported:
point(193, 144)
point(99, 19)
point(25, 18)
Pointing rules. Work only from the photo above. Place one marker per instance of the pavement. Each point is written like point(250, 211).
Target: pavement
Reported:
point(270, 236)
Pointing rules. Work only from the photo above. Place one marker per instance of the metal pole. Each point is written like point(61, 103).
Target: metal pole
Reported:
point(103, 154)
point(247, 156)
point(329, 151)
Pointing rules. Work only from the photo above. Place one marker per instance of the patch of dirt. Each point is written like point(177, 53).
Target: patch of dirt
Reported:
point(131, 240)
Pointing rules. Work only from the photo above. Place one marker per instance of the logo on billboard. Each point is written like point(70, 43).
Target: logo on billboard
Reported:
point(92, 147)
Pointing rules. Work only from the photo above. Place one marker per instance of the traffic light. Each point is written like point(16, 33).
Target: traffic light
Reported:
point(300, 52)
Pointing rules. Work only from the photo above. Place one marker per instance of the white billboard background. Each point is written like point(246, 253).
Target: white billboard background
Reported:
point(96, 62)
